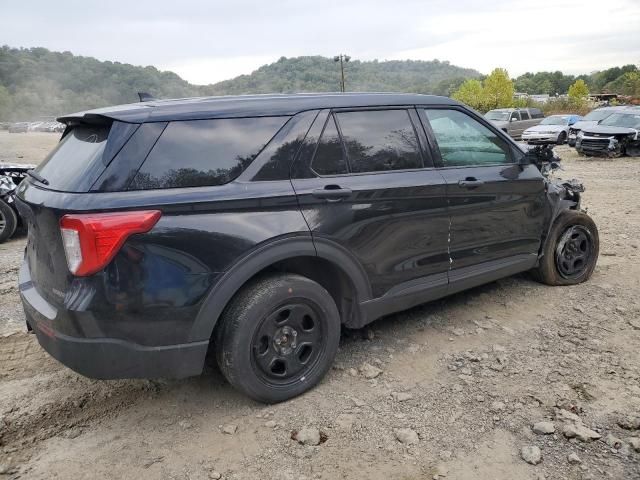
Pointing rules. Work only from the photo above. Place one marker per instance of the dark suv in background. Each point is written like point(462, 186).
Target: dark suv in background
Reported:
point(254, 227)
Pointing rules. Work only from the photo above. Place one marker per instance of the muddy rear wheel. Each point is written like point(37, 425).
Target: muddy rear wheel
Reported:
point(278, 337)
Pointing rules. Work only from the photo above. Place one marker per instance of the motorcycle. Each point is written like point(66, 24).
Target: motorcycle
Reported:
point(10, 177)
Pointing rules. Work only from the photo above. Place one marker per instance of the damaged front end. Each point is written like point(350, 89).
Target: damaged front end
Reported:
point(561, 194)
point(603, 142)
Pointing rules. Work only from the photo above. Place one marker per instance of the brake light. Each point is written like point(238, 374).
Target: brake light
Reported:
point(92, 240)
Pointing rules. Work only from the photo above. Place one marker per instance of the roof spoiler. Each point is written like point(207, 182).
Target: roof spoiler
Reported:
point(145, 97)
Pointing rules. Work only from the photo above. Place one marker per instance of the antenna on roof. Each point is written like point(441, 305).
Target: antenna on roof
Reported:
point(145, 97)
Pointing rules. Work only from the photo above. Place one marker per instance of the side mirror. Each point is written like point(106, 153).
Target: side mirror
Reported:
point(513, 119)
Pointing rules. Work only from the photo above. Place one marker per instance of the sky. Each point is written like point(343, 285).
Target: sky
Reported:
point(208, 41)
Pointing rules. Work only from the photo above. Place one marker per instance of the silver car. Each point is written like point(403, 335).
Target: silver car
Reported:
point(552, 129)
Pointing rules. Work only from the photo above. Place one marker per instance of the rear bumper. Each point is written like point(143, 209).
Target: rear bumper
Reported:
point(106, 358)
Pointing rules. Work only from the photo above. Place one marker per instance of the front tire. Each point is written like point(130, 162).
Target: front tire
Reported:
point(8, 221)
point(562, 138)
point(278, 337)
point(571, 251)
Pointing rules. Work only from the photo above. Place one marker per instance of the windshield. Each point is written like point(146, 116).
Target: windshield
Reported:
point(555, 120)
point(597, 115)
point(497, 115)
point(622, 120)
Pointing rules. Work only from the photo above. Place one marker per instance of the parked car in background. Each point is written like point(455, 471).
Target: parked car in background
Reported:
point(19, 127)
point(615, 136)
point(4, 125)
point(51, 126)
point(254, 227)
point(589, 120)
point(514, 121)
point(552, 129)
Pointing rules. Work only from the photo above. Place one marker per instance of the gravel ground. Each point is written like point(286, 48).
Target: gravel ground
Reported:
point(448, 390)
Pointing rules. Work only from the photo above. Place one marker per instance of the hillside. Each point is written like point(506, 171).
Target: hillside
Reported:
point(321, 74)
point(36, 82)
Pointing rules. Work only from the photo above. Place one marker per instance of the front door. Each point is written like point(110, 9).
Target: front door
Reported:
point(366, 184)
point(496, 205)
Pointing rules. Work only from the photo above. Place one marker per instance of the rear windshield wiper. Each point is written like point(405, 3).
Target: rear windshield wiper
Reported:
point(38, 177)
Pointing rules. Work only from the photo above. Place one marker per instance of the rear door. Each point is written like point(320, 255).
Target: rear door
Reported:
point(495, 205)
point(366, 184)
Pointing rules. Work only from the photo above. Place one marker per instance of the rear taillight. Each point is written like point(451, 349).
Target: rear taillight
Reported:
point(91, 240)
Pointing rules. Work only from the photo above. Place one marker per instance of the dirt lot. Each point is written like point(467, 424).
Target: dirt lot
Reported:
point(469, 374)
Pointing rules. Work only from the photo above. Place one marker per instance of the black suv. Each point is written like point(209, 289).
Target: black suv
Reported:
point(253, 227)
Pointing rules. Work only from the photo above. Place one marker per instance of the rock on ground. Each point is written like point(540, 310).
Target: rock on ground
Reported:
point(406, 436)
point(307, 436)
point(368, 371)
point(531, 454)
point(573, 459)
point(544, 428)
point(580, 432)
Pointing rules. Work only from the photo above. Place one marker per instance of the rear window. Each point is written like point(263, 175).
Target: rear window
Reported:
point(77, 160)
point(198, 153)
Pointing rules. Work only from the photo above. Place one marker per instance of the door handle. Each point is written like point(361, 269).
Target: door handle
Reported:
point(332, 193)
point(470, 182)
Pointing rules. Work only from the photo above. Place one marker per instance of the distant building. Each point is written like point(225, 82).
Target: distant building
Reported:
point(540, 98)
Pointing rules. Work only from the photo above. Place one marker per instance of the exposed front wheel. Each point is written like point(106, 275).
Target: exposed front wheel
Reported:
point(571, 251)
point(278, 337)
point(562, 138)
point(8, 221)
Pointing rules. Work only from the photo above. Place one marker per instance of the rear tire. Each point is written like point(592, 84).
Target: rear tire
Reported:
point(571, 251)
point(8, 221)
point(278, 337)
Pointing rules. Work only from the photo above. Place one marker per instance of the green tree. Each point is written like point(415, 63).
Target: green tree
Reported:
point(578, 91)
point(631, 83)
point(498, 89)
point(471, 93)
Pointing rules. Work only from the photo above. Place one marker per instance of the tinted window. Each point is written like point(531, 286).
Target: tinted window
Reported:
point(205, 152)
point(379, 140)
point(524, 115)
point(77, 160)
point(515, 116)
point(536, 113)
point(463, 141)
point(329, 158)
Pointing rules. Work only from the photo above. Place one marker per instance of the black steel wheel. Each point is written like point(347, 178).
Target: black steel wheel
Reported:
point(574, 251)
point(570, 252)
point(8, 221)
point(278, 337)
point(288, 342)
point(562, 138)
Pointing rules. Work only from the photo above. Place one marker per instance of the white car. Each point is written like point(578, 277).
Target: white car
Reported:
point(552, 129)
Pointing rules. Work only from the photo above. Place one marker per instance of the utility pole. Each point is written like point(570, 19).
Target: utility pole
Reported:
point(342, 59)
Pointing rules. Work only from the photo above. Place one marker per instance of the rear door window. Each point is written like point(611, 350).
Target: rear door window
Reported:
point(329, 158)
point(380, 140)
point(463, 141)
point(197, 153)
point(77, 160)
